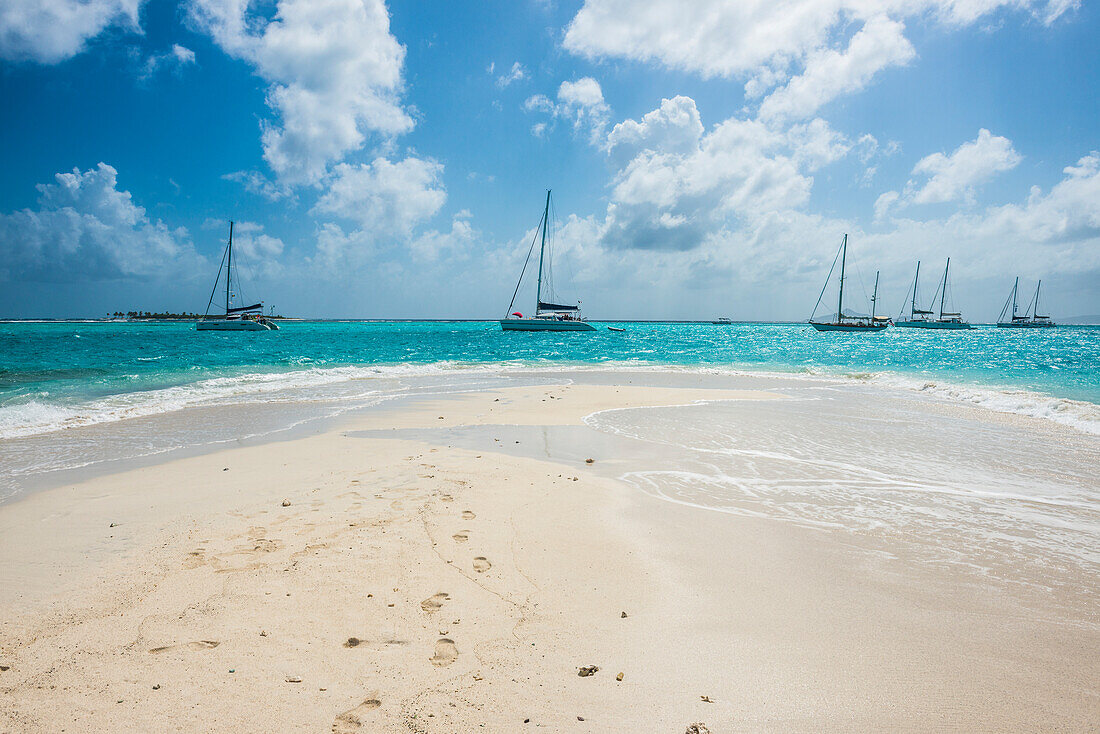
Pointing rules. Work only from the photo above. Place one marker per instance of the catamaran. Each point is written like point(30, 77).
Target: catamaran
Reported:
point(1030, 319)
point(548, 316)
point(239, 318)
point(863, 324)
point(922, 318)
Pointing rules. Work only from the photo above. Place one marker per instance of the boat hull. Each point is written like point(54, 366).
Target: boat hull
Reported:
point(849, 327)
point(933, 324)
point(544, 325)
point(233, 325)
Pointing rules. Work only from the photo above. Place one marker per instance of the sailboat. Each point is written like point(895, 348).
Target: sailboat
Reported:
point(1030, 319)
point(548, 316)
point(866, 324)
point(240, 318)
point(922, 319)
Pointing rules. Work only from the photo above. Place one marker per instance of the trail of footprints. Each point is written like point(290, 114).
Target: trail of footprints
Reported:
point(445, 652)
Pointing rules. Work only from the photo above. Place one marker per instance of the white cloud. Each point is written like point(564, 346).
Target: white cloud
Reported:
point(584, 92)
point(85, 228)
point(829, 73)
point(517, 73)
point(454, 245)
point(746, 37)
point(50, 31)
point(335, 75)
point(580, 101)
point(384, 198)
point(883, 204)
point(805, 45)
point(175, 59)
point(954, 176)
point(255, 182)
point(677, 185)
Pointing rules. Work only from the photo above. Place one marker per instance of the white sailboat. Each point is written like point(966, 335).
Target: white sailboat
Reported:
point(1030, 319)
point(861, 324)
point(548, 316)
point(923, 318)
point(239, 318)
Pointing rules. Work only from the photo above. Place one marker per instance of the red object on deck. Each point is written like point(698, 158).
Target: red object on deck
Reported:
point(518, 314)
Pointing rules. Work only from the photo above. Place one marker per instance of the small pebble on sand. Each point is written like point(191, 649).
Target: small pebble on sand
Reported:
point(619, 677)
point(293, 679)
point(587, 670)
point(286, 503)
point(589, 461)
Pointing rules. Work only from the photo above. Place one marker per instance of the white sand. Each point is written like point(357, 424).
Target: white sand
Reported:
point(476, 583)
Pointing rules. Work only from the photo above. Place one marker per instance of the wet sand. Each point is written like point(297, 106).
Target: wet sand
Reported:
point(352, 581)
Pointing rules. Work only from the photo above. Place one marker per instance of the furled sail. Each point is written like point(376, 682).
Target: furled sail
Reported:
point(253, 307)
point(556, 307)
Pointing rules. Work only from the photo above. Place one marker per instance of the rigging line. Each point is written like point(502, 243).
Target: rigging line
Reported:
point(862, 287)
point(216, 281)
point(240, 286)
point(905, 302)
point(525, 262)
point(827, 279)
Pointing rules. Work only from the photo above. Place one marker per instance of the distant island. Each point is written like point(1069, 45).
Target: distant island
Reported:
point(163, 316)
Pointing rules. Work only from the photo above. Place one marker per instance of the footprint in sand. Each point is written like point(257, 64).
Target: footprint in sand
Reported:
point(462, 536)
point(353, 719)
point(196, 645)
point(446, 498)
point(467, 515)
point(434, 602)
point(445, 653)
point(481, 564)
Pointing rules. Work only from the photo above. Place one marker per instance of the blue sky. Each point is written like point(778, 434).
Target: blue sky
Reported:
point(391, 160)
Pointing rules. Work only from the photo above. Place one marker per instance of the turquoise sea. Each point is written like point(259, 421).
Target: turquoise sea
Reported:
point(57, 375)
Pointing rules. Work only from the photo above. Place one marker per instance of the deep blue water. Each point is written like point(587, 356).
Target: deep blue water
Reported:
point(64, 365)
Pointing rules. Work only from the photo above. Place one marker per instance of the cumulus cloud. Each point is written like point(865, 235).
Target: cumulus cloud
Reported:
point(677, 185)
point(50, 31)
point(954, 176)
point(388, 199)
point(334, 71)
point(829, 73)
point(580, 102)
point(85, 228)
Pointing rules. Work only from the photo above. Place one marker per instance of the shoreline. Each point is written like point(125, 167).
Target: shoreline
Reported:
point(400, 382)
point(779, 626)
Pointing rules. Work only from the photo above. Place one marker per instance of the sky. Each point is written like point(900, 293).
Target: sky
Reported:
point(391, 160)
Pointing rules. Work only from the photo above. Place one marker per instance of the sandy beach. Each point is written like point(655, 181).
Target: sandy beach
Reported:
point(451, 563)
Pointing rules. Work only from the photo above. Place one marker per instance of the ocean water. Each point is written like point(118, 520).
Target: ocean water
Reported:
point(55, 376)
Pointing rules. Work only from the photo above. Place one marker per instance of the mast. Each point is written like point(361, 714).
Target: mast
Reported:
point(1014, 287)
point(229, 267)
point(943, 294)
point(840, 299)
point(913, 306)
point(1035, 313)
point(874, 298)
point(542, 251)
